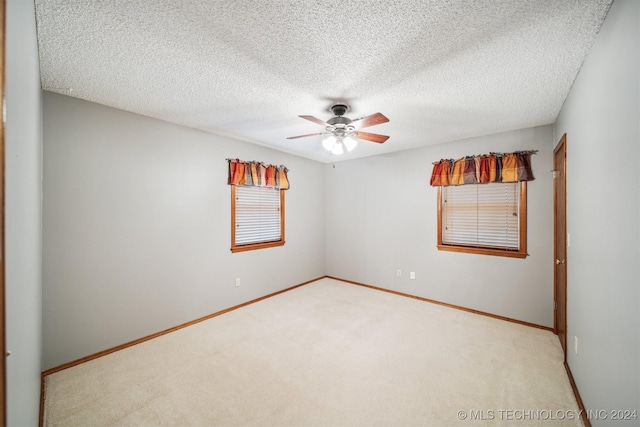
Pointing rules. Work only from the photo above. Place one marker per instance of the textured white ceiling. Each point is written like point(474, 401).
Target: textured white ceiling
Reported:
point(440, 70)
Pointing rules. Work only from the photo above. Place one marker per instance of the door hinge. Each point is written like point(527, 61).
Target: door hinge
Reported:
point(555, 305)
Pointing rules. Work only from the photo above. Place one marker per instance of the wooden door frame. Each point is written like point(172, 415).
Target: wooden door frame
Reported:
point(562, 145)
point(3, 348)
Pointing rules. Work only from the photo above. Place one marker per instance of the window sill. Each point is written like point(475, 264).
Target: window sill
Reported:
point(254, 246)
point(483, 251)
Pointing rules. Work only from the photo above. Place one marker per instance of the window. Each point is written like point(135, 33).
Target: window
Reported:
point(257, 218)
point(489, 219)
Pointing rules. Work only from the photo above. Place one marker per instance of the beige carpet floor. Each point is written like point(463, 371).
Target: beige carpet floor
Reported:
point(325, 354)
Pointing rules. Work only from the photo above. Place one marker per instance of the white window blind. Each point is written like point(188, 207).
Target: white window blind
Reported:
point(481, 215)
point(257, 211)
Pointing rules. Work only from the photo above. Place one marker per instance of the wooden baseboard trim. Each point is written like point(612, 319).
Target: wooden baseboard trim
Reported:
point(583, 411)
point(41, 414)
point(166, 331)
point(457, 307)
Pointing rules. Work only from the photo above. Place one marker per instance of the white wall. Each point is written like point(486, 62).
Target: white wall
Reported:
point(136, 227)
point(601, 118)
point(381, 216)
point(23, 215)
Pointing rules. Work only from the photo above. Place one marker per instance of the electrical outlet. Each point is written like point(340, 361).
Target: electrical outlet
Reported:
point(398, 273)
point(575, 344)
point(412, 275)
point(237, 282)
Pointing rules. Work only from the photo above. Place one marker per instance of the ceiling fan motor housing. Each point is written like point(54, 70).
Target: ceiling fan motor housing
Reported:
point(339, 109)
point(337, 121)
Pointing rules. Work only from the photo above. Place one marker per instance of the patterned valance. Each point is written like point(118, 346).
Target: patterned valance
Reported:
point(481, 169)
point(257, 174)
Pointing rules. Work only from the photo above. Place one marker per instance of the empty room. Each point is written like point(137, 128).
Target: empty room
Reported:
point(321, 213)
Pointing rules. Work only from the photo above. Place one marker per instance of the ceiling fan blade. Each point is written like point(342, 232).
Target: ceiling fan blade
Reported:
point(373, 137)
point(315, 120)
point(372, 120)
point(304, 136)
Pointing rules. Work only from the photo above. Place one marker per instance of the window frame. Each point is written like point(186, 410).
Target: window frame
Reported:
point(521, 252)
point(256, 245)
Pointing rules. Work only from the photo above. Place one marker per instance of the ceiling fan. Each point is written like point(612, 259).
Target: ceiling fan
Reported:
point(342, 131)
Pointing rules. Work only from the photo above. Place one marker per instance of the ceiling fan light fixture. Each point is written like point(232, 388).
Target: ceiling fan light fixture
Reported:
point(350, 143)
point(329, 142)
point(338, 148)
